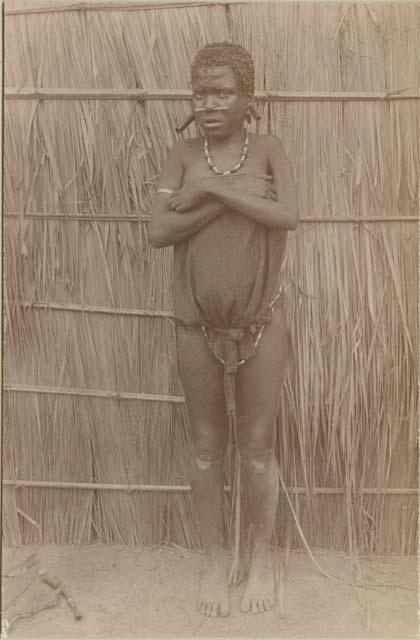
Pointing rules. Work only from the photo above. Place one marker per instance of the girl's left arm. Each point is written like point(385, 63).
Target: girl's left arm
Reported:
point(282, 212)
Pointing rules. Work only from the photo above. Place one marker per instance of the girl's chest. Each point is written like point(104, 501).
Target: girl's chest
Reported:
point(198, 167)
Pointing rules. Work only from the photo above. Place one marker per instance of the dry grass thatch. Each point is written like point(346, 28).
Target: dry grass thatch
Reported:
point(348, 411)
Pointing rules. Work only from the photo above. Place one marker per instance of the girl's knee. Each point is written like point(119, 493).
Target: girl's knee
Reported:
point(207, 458)
point(257, 456)
point(209, 451)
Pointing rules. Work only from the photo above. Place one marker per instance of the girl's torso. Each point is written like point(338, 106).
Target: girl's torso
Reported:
point(227, 274)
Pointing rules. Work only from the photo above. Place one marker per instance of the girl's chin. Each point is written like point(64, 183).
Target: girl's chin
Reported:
point(219, 132)
point(214, 128)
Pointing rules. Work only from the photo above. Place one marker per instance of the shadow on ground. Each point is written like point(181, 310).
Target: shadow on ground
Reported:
point(138, 593)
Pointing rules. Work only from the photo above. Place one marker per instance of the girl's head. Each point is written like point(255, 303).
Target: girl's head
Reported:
point(226, 54)
point(223, 83)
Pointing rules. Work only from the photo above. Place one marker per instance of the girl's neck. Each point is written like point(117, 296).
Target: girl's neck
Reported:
point(235, 138)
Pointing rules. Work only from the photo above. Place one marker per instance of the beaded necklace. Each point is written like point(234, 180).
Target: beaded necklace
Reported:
point(237, 166)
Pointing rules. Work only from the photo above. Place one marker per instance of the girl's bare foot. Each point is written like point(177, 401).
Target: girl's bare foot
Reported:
point(259, 592)
point(213, 599)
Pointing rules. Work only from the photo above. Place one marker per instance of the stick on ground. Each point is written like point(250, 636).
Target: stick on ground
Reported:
point(55, 583)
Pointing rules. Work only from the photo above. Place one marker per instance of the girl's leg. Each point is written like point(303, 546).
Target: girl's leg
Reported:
point(258, 390)
point(202, 380)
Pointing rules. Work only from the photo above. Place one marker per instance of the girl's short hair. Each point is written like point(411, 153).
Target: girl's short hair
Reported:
point(226, 54)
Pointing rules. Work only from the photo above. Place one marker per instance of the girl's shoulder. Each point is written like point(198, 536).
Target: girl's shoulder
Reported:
point(265, 144)
point(191, 144)
point(271, 147)
point(189, 150)
point(266, 140)
point(183, 152)
point(266, 148)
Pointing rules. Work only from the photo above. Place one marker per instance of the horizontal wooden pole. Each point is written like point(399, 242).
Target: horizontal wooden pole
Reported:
point(48, 93)
point(94, 486)
point(81, 217)
point(112, 6)
point(79, 308)
point(144, 5)
point(91, 393)
point(359, 220)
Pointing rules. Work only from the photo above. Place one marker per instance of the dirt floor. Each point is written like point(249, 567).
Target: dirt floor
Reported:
point(148, 593)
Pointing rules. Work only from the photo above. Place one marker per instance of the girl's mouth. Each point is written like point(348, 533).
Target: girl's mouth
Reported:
point(211, 123)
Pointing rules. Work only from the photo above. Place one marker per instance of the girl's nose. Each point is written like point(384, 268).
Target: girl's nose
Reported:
point(210, 102)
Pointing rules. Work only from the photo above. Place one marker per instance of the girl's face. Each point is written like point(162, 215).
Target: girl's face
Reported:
point(218, 87)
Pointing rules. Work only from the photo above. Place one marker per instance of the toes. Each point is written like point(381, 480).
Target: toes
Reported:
point(245, 606)
point(213, 609)
point(254, 606)
point(261, 607)
point(203, 607)
point(257, 605)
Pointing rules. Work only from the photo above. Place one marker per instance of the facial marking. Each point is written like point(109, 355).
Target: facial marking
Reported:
point(217, 89)
point(217, 79)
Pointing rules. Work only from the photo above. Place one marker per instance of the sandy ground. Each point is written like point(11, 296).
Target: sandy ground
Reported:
point(139, 593)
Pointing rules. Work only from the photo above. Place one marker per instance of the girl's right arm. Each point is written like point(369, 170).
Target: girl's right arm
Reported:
point(170, 227)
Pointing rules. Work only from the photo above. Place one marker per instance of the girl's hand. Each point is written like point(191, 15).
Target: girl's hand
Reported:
point(259, 186)
point(188, 197)
point(193, 193)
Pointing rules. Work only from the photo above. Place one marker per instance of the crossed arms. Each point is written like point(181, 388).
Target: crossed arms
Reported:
point(268, 201)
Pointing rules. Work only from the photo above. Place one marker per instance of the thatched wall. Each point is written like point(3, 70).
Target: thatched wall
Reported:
point(91, 393)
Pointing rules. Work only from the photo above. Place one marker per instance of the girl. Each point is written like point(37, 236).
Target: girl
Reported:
point(226, 200)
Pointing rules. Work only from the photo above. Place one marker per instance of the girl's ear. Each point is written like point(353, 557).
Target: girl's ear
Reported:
point(252, 110)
